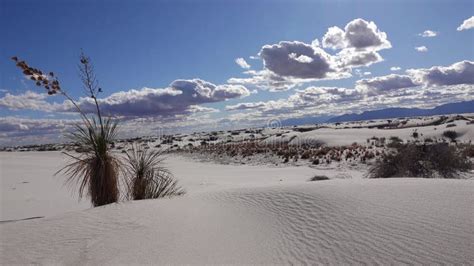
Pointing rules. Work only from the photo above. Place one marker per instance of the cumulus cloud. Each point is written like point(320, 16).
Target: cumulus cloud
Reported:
point(28, 100)
point(467, 24)
point(297, 59)
point(428, 34)
point(457, 73)
point(334, 38)
point(323, 95)
point(299, 103)
point(246, 106)
point(395, 68)
point(421, 49)
point(178, 98)
point(242, 63)
point(358, 43)
point(358, 34)
point(382, 84)
point(266, 80)
point(181, 97)
point(353, 58)
point(288, 64)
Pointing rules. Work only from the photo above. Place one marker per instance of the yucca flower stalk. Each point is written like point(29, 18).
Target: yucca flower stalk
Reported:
point(96, 170)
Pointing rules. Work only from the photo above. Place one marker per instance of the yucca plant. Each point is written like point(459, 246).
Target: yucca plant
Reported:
point(146, 178)
point(96, 170)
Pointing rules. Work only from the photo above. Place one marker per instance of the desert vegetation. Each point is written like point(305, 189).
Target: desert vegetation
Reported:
point(427, 160)
point(95, 170)
point(146, 178)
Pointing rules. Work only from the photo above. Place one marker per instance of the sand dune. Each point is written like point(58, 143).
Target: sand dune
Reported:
point(337, 222)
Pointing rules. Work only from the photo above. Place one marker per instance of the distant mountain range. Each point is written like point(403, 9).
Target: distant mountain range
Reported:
point(445, 109)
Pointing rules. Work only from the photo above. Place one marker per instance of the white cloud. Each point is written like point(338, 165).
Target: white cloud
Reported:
point(428, 34)
point(359, 34)
point(334, 38)
point(177, 99)
point(297, 59)
point(395, 68)
point(242, 63)
point(467, 24)
point(382, 84)
point(457, 73)
point(421, 49)
point(351, 57)
point(359, 73)
point(288, 64)
point(28, 100)
point(180, 98)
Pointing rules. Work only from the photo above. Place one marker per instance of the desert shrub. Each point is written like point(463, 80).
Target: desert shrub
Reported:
point(415, 135)
point(450, 134)
point(145, 178)
point(318, 178)
point(95, 170)
point(413, 160)
point(450, 125)
point(468, 150)
point(394, 142)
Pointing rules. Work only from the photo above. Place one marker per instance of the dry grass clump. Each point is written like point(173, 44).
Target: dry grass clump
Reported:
point(318, 178)
point(145, 176)
point(411, 160)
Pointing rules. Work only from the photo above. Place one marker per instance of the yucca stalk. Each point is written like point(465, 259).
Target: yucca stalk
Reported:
point(146, 176)
point(95, 171)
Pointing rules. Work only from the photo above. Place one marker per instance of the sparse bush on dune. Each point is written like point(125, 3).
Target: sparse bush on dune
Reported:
point(319, 178)
point(451, 134)
point(146, 178)
point(95, 170)
point(411, 160)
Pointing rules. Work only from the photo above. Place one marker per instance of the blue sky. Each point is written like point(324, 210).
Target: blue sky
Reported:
point(137, 44)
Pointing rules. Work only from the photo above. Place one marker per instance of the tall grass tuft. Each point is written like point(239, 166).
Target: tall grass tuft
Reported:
point(95, 171)
point(146, 178)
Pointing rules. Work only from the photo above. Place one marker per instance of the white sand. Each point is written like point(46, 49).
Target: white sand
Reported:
point(340, 137)
point(237, 215)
